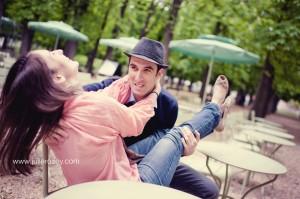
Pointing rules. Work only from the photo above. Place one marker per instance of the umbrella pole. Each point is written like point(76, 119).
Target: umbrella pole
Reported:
point(56, 42)
point(211, 63)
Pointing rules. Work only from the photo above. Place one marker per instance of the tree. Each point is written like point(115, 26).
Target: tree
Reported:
point(93, 52)
point(169, 28)
point(31, 10)
point(2, 7)
point(281, 38)
point(116, 29)
point(151, 11)
point(72, 15)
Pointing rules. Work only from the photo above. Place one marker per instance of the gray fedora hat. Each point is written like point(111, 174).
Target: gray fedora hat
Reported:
point(150, 50)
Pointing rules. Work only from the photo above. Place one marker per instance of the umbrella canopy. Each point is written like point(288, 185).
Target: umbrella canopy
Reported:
point(58, 29)
point(7, 26)
point(218, 51)
point(219, 38)
point(215, 49)
point(124, 43)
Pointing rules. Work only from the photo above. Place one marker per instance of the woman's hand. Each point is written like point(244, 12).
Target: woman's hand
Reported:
point(157, 88)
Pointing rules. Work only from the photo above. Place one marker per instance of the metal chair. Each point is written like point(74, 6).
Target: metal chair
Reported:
point(45, 170)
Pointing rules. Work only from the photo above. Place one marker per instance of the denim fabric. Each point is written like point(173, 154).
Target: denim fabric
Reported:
point(206, 120)
point(193, 182)
point(163, 148)
point(159, 165)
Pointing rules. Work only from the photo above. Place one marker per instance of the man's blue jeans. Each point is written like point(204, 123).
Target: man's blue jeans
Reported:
point(164, 148)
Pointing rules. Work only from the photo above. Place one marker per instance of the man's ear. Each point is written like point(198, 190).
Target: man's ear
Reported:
point(59, 78)
point(161, 72)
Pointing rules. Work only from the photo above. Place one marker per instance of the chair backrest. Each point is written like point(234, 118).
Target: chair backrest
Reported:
point(45, 170)
point(108, 68)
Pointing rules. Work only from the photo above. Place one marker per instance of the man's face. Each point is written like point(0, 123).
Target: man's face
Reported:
point(143, 75)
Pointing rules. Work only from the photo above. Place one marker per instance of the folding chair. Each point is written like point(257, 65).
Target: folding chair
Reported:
point(108, 68)
point(45, 169)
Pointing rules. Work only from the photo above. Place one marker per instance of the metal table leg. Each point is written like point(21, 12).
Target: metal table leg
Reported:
point(216, 179)
point(260, 185)
point(276, 149)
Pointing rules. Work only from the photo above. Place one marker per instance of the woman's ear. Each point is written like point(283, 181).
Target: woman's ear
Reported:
point(59, 78)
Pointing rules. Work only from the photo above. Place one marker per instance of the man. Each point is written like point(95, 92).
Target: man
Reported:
point(146, 65)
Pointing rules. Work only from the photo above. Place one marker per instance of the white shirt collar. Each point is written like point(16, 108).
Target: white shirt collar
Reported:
point(131, 98)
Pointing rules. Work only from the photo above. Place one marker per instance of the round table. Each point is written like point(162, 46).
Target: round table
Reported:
point(267, 137)
point(271, 127)
point(118, 189)
point(269, 131)
point(263, 120)
point(241, 158)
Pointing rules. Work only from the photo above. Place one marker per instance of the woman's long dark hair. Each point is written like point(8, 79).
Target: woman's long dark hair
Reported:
point(31, 105)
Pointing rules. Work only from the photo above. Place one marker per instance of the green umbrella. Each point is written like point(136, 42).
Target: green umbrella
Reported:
point(219, 38)
point(215, 49)
point(124, 43)
point(7, 26)
point(59, 29)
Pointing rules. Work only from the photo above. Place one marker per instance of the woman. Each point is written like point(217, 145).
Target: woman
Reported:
point(41, 94)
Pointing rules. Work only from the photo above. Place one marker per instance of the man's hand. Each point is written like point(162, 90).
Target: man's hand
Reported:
point(189, 141)
point(56, 137)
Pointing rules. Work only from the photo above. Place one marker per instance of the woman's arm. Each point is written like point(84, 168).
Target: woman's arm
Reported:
point(130, 121)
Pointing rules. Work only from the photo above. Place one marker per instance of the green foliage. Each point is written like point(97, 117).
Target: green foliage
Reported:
point(27, 10)
point(268, 26)
point(82, 59)
point(279, 32)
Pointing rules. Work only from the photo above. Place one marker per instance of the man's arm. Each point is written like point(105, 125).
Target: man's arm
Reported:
point(100, 85)
point(164, 118)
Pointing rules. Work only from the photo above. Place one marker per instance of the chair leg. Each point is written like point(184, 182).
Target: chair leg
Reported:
point(45, 169)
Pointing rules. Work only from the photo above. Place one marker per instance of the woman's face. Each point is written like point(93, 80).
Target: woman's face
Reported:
point(64, 69)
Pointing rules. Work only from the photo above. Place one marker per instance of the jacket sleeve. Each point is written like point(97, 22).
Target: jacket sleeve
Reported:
point(100, 85)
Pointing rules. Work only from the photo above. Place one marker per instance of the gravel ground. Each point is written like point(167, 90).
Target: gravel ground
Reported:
point(285, 187)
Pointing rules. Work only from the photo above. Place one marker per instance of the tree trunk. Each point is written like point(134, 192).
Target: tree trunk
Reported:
point(93, 53)
point(168, 34)
point(2, 7)
point(265, 90)
point(116, 29)
point(203, 80)
point(250, 99)
point(179, 84)
point(172, 82)
point(191, 87)
point(151, 11)
point(70, 49)
point(240, 98)
point(272, 106)
point(91, 57)
point(27, 36)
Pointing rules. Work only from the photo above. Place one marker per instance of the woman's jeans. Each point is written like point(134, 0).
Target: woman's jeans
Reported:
point(164, 148)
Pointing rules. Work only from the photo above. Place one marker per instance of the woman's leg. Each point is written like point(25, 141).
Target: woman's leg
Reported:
point(145, 145)
point(159, 165)
point(204, 122)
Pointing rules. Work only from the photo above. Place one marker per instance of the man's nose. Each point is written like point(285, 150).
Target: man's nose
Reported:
point(139, 75)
